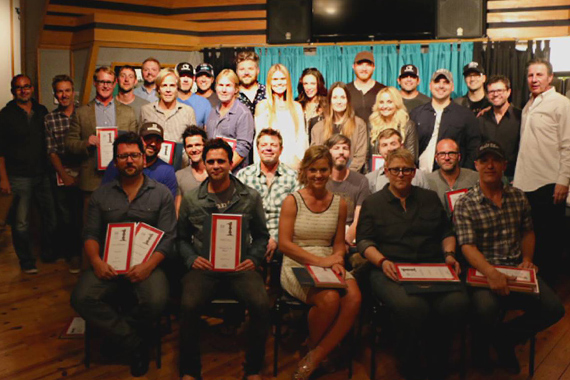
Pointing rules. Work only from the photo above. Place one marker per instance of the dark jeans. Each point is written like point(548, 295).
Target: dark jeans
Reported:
point(199, 288)
point(540, 312)
point(89, 299)
point(69, 209)
point(548, 220)
point(26, 190)
point(431, 318)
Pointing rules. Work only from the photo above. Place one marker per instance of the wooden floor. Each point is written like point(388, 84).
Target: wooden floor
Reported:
point(34, 309)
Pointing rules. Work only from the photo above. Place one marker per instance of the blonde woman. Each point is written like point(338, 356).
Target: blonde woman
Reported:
point(279, 111)
point(389, 112)
point(340, 118)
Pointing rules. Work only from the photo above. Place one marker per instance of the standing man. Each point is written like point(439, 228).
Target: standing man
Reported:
point(200, 105)
point(475, 78)
point(441, 118)
point(132, 197)
point(222, 193)
point(251, 91)
point(126, 95)
point(205, 83)
point(150, 69)
point(409, 80)
point(23, 170)
point(503, 122)
point(67, 196)
point(194, 174)
point(272, 179)
point(449, 176)
point(103, 111)
point(543, 163)
point(363, 89)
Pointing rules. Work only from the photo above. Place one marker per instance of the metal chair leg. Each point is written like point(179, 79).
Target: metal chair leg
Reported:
point(277, 338)
point(87, 342)
point(531, 355)
point(373, 317)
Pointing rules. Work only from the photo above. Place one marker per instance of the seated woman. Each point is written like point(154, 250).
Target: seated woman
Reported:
point(340, 118)
point(389, 112)
point(312, 96)
point(279, 111)
point(311, 231)
point(407, 224)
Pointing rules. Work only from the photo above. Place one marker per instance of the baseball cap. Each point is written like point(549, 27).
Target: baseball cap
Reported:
point(150, 128)
point(473, 67)
point(409, 70)
point(365, 55)
point(490, 147)
point(205, 68)
point(442, 73)
point(184, 68)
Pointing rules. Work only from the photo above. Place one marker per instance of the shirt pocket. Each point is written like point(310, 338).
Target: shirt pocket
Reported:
point(145, 213)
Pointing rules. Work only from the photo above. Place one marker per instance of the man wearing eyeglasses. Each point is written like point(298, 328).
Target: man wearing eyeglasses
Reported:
point(403, 223)
point(503, 122)
point(131, 197)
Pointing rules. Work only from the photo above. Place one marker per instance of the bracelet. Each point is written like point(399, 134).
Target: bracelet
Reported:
point(448, 253)
point(381, 261)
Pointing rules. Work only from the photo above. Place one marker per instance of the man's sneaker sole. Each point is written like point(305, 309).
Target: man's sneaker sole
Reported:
point(30, 271)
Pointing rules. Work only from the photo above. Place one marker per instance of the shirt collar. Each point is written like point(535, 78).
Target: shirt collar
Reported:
point(99, 103)
point(278, 172)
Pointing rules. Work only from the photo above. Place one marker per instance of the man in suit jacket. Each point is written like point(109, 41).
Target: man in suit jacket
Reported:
point(103, 111)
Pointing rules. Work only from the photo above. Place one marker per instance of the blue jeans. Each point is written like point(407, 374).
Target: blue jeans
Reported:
point(26, 189)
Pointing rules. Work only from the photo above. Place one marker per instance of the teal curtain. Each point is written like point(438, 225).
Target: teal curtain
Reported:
point(386, 62)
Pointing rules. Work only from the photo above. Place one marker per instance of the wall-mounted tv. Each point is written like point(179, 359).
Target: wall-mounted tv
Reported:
point(373, 20)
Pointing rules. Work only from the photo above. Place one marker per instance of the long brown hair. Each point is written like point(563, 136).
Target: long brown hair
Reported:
point(348, 119)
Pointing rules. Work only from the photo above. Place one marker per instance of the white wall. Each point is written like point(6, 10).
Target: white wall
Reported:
point(9, 53)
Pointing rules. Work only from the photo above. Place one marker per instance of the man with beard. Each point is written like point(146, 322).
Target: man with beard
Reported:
point(205, 83)
point(272, 179)
point(126, 95)
point(194, 174)
point(131, 197)
point(449, 176)
point(251, 91)
point(363, 89)
point(201, 106)
point(409, 81)
point(152, 137)
point(503, 122)
point(150, 70)
point(475, 99)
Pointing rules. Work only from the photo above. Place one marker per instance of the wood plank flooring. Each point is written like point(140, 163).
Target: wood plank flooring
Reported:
point(34, 310)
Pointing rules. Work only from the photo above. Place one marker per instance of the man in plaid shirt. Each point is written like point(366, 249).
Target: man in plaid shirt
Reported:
point(494, 227)
point(272, 179)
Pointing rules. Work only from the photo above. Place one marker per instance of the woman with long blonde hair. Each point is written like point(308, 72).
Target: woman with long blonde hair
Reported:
point(279, 111)
point(389, 112)
point(340, 118)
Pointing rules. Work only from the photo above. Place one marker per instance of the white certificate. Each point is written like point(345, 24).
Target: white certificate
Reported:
point(166, 153)
point(118, 245)
point(425, 272)
point(453, 196)
point(521, 275)
point(107, 136)
point(377, 162)
point(225, 241)
point(145, 242)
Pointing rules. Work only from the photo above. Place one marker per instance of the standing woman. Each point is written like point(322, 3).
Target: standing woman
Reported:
point(312, 96)
point(279, 111)
point(311, 231)
point(340, 118)
point(389, 112)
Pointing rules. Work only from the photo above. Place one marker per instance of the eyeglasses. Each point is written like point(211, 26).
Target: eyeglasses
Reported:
point(24, 87)
point(404, 171)
point(125, 156)
point(497, 92)
point(104, 82)
point(450, 154)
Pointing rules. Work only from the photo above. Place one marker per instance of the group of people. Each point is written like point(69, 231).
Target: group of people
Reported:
point(356, 178)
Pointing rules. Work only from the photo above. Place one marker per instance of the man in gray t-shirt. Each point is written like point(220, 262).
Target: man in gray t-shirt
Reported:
point(193, 175)
point(409, 81)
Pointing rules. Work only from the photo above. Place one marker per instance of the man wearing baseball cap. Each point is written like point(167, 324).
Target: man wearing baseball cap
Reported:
point(475, 99)
point(363, 89)
point(152, 135)
point(200, 105)
point(205, 83)
point(409, 81)
point(440, 119)
point(494, 226)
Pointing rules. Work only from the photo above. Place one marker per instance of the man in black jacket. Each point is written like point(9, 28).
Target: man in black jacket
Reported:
point(23, 164)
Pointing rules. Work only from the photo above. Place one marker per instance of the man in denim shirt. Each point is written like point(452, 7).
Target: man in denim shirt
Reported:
point(221, 193)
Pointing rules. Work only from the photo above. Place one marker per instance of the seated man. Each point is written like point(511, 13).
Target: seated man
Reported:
point(494, 227)
point(221, 193)
point(405, 223)
point(388, 141)
point(132, 197)
point(272, 179)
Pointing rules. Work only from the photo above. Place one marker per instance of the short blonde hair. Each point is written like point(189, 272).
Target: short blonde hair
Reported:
point(162, 75)
point(312, 155)
point(402, 154)
point(231, 75)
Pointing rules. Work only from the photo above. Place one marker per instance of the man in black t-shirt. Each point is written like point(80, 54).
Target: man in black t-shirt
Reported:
point(475, 99)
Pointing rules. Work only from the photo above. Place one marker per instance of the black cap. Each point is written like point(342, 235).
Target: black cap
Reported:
point(150, 128)
point(490, 147)
point(184, 68)
point(205, 68)
point(473, 67)
point(409, 70)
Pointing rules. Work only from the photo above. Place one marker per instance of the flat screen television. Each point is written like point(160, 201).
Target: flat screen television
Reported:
point(373, 20)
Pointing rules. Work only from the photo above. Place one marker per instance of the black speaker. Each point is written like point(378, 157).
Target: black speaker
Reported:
point(288, 21)
point(460, 18)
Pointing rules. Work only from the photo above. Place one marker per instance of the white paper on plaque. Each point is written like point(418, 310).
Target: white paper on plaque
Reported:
point(106, 138)
point(324, 274)
point(425, 272)
point(76, 327)
point(144, 241)
point(226, 244)
point(453, 198)
point(521, 275)
point(118, 248)
point(166, 153)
